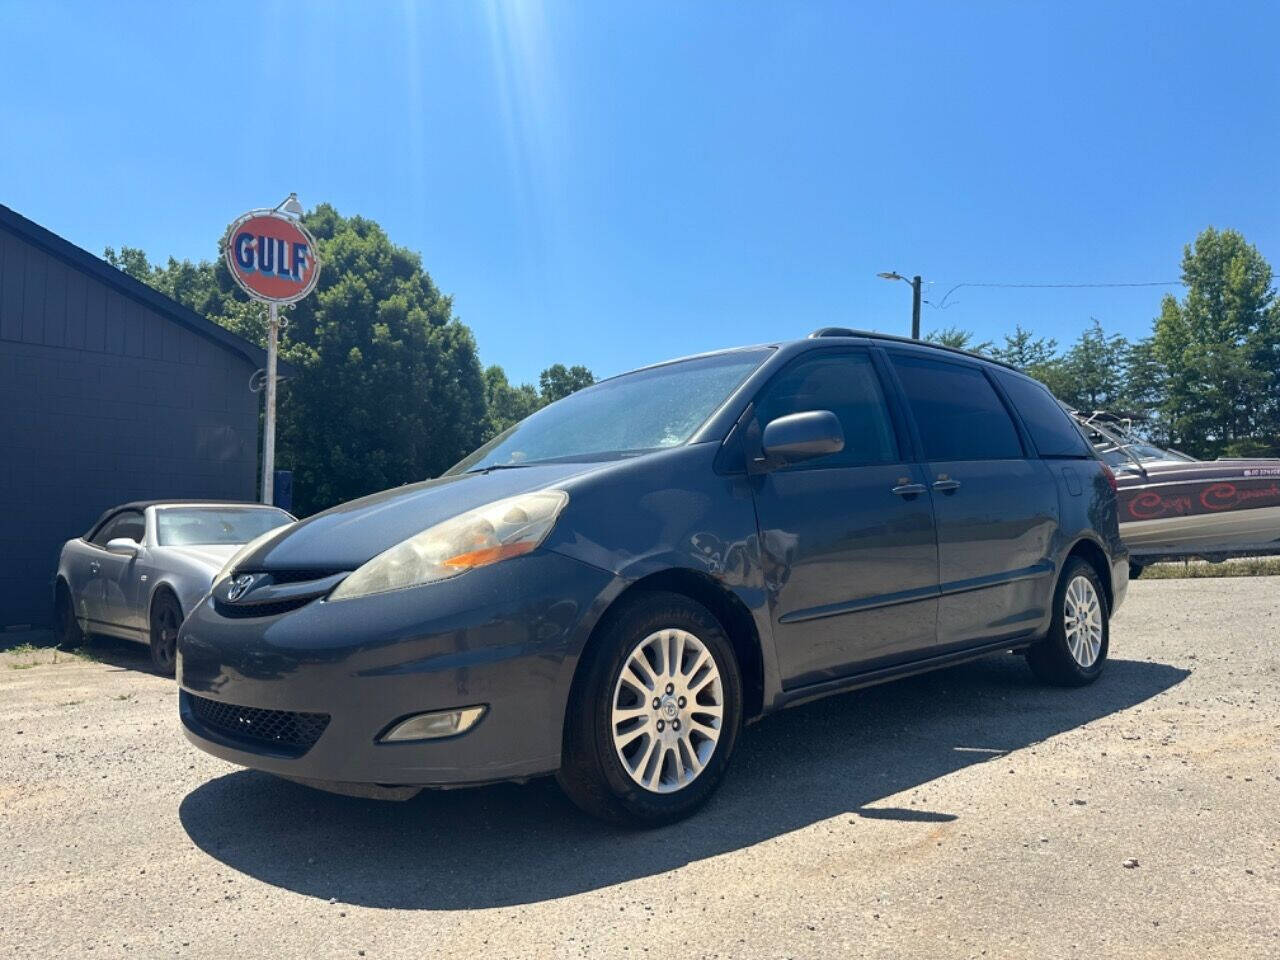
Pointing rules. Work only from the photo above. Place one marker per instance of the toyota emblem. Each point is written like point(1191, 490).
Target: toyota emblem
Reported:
point(239, 586)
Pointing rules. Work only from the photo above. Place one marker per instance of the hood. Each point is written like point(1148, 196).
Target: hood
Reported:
point(348, 535)
point(210, 554)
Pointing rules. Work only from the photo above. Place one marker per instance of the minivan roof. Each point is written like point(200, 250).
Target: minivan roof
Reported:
point(824, 332)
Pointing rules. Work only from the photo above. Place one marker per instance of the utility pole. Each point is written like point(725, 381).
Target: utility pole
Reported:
point(915, 299)
point(915, 313)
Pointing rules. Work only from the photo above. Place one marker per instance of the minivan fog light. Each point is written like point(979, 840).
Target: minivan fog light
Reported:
point(432, 726)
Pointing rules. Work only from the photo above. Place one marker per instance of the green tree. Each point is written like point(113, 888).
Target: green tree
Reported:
point(1092, 374)
point(1024, 350)
point(557, 381)
point(130, 260)
point(506, 404)
point(1219, 350)
point(1144, 387)
point(509, 404)
point(389, 388)
point(958, 339)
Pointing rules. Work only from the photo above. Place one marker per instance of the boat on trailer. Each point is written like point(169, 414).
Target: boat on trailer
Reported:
point(1173, 506)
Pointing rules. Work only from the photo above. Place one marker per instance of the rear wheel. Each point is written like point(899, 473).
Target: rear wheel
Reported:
point(70, 636)
point(166, 620)
point(654, 716)
point(1075, 649)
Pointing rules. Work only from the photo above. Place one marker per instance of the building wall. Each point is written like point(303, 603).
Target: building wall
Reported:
point(102, 400)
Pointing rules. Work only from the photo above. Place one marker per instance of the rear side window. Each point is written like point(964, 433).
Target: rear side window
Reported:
point(848, 386)
point(958, 413)
point(1051, 428)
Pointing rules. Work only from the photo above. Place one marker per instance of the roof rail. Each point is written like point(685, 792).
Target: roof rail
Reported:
point(872, 334)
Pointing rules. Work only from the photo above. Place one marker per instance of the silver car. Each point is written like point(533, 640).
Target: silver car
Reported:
point(144, 566)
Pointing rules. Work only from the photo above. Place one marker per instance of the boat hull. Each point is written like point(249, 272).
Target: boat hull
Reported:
point(1201, 504)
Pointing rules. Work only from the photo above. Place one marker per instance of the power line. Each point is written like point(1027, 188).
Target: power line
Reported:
point(942, 304)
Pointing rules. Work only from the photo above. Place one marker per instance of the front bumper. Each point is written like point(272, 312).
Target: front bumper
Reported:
point(506, 636)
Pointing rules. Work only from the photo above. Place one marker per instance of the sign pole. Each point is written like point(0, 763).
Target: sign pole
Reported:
point(269, 424)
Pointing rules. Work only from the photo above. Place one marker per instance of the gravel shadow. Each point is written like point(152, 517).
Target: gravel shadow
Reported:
point(508, 844)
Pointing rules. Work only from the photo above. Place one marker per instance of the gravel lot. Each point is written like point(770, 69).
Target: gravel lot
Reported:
point(965, 813)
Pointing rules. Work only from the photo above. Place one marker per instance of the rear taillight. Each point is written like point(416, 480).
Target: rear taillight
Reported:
point(1111, 478)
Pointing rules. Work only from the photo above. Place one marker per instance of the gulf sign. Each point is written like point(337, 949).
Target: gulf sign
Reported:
point(272, 256)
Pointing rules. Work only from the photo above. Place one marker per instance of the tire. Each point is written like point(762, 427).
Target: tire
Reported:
point(70, 635)
point(166, 620)
point(1074, 651)
point(669, 758)
point(1135, 570)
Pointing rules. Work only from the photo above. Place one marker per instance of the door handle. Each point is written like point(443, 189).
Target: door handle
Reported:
point(946, 484)
point(908, 489)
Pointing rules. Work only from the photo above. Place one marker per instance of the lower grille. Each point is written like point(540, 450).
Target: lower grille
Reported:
point(296, 732)
point(236, 612)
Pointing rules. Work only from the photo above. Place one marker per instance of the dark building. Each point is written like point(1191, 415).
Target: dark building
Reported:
point(109, 392)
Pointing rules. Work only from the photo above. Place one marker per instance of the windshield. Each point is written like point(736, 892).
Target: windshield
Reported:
point(636, 412)
point(187, 526)
point(1144, 452)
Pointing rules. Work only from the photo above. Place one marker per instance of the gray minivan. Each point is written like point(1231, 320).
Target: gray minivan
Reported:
point(609, 589)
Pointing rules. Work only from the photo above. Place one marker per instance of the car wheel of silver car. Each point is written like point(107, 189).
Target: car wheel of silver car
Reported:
point(654, 713)
point(70, 636)
point(166, 621)
point(1075, 649)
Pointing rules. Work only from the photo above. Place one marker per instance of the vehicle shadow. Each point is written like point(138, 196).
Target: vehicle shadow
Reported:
point(509, 844)
point(122, 654)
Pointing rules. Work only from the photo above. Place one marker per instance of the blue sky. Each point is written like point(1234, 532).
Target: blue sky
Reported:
point(617, 183)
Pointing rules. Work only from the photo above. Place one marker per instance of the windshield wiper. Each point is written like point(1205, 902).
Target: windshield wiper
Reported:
point(497, 466)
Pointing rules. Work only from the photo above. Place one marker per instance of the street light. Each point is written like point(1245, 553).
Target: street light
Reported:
point(290, 205)
point(915, 299)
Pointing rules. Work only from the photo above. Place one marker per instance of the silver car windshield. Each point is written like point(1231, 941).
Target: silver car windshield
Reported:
point(189, 526)
point(633, 413)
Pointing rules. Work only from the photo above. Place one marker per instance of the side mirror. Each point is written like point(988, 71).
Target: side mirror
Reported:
point(123, 546)
point(801, 436)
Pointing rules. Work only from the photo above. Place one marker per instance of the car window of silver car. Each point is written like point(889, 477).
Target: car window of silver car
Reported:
point(177, 527)
point(128, 523)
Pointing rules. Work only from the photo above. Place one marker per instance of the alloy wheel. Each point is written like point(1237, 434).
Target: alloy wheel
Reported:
point(165, 638)
point(1082, 621)
point(668, 710)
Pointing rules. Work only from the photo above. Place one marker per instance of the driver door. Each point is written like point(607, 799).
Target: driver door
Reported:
point(847, 540)
point(119, 574)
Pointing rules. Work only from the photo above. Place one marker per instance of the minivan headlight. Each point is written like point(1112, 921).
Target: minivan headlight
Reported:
point(497, 531)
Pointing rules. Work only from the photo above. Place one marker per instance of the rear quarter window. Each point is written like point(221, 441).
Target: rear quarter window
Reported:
point(1050, 426)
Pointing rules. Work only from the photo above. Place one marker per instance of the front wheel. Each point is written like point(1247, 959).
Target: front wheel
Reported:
point(654, 715)
point(166, 621)
point(1075, 649)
